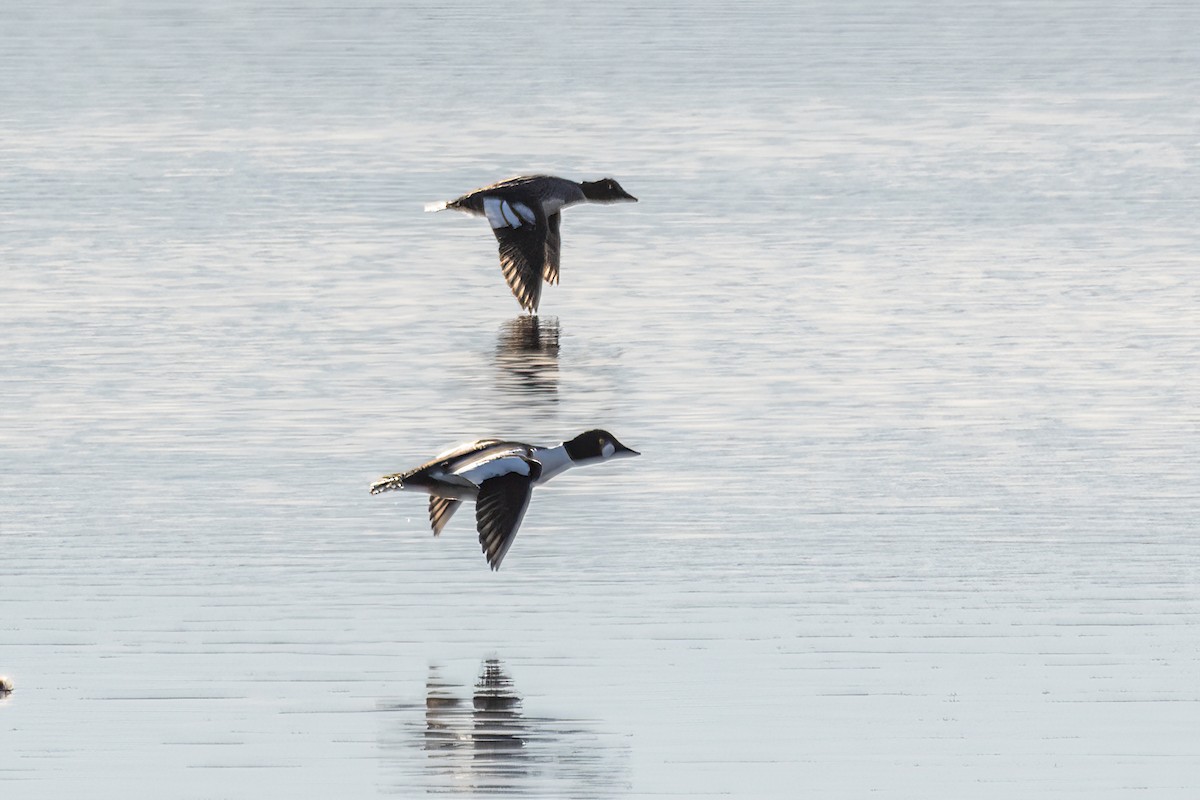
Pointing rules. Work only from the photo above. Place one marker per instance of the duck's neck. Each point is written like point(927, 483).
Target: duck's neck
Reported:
point(553, 460)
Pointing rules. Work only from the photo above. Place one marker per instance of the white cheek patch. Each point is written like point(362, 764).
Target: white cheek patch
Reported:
point(608, 449)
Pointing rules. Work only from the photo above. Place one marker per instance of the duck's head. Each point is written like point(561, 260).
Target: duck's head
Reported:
point(606, 190)
point(595, 446)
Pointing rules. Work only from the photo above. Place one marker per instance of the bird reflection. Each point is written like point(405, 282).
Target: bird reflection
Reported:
point(487, 745)
point(527, 357)
point(498, 724)
point(490, 728)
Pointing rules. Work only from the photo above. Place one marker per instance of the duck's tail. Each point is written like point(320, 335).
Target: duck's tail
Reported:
point(389, 483)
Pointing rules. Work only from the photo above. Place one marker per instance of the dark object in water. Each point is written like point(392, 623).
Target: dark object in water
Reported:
point(6, 686)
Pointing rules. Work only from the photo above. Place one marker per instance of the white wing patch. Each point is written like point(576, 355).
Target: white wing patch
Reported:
point(495, 217)
point(503, 214)
point(525, 212)
point(495, 467)
point(509, 214)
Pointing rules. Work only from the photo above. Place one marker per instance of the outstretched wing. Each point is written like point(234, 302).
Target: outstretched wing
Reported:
point(440, 511)
point(521, 230)
point(498, 513)
point(459, 450)
point(444, 461)
point(553, 249)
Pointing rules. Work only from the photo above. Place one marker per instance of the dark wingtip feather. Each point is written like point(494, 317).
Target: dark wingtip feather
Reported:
point(440, 511)
point(499, 510)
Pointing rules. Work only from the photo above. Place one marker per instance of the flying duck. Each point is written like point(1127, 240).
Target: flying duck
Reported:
point(499, 477)
point(524, 213)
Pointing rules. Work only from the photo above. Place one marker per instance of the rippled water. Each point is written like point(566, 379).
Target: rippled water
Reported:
point(904, 325)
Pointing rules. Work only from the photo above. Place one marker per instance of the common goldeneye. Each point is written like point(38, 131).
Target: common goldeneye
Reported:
point(499, 476)
point(524, 213)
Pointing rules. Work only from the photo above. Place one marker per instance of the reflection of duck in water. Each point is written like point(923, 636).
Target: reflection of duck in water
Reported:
point(498, 724)
point(527, 355)
point(492, 724)
point(488, 745)
point(499, 476)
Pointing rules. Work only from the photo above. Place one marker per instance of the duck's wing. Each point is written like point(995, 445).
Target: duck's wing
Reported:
point(443, 462)
point(553, 248)
point(440, 511)
point(460, 451)
point(499, 510)
point(521, 229)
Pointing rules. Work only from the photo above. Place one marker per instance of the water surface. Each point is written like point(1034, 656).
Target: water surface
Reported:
point(904, 325)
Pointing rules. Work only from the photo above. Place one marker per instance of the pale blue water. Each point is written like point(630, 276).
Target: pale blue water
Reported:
point(904, 324)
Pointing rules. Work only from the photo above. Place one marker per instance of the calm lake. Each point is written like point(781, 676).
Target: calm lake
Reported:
point(905, 325)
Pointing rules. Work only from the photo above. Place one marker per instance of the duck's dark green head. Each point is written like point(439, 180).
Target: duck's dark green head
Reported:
point(596, 445)
point(606, 190)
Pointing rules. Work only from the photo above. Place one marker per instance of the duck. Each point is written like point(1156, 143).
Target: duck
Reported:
point(499, 477)
point(525, 213)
